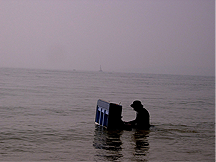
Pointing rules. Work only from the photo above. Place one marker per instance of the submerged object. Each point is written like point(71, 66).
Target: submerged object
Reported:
point(108, 115)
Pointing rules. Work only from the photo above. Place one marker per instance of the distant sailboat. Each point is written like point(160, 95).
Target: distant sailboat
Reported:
point(100, 69)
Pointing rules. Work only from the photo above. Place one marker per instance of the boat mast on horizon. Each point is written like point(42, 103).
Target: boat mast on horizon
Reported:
point(100, 69)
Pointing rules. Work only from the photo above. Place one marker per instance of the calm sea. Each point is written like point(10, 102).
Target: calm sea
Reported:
point(48, 115)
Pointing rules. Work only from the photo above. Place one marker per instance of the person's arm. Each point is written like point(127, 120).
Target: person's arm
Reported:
point(132, 123)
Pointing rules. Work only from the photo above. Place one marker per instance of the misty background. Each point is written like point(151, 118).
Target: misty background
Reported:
point(148, 36)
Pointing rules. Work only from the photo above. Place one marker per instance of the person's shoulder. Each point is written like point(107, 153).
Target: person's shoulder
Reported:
point(144, 110)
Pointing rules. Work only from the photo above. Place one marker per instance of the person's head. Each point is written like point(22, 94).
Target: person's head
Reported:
point(136, 105)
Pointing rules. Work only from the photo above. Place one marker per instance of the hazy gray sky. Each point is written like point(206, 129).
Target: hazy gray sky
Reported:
point(148, 36)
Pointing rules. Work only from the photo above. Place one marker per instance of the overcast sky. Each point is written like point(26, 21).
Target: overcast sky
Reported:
point(147, 36)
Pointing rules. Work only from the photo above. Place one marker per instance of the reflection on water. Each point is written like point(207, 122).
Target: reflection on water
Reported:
point(142, 146)
point(107, 144)
point(112, 145)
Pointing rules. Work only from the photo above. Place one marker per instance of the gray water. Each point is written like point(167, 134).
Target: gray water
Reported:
point(48, 115)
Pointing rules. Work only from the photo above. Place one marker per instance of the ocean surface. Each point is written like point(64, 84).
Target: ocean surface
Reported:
point(48, 115)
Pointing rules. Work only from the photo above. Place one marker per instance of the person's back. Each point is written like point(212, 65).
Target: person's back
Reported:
point(142, 119)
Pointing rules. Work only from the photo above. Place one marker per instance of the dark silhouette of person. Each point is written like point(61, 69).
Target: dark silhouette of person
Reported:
point(142, 117)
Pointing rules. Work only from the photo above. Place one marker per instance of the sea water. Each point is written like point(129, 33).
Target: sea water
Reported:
point(48, 115)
